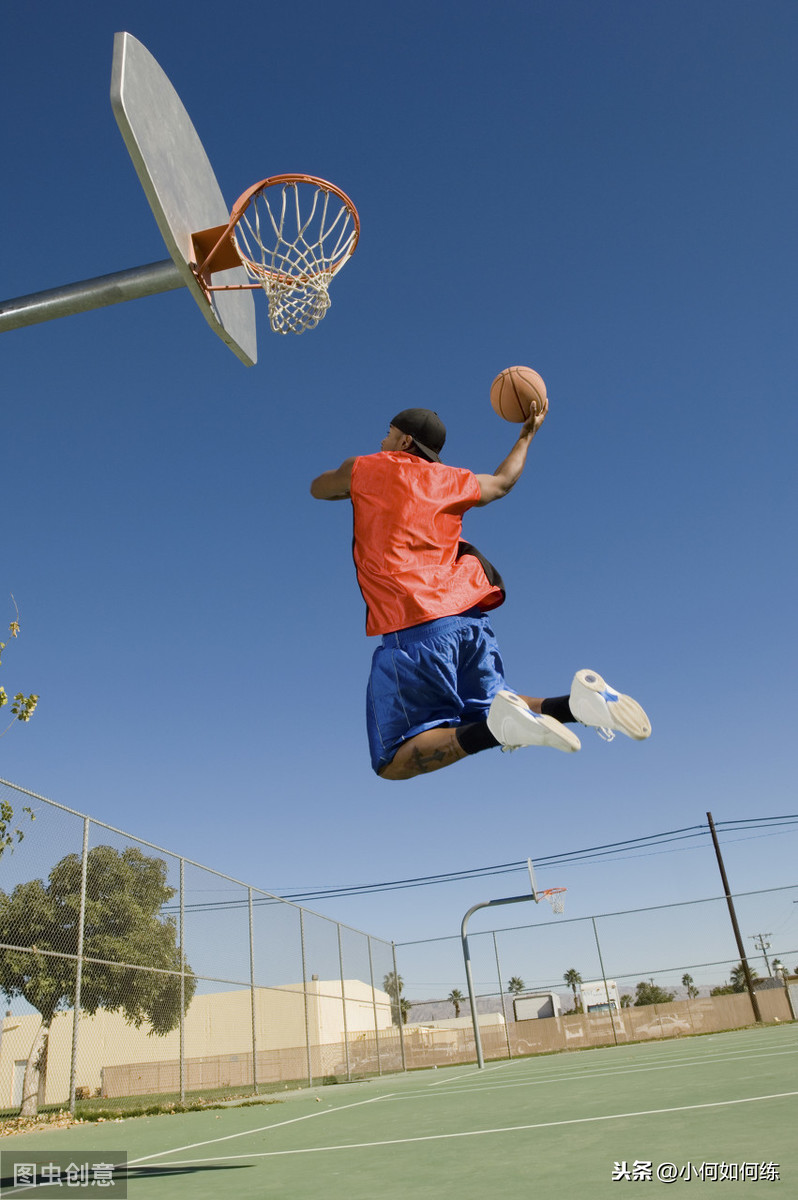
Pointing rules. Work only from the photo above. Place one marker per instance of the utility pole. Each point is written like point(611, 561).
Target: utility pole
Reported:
point(749, 983)
point(763, 946)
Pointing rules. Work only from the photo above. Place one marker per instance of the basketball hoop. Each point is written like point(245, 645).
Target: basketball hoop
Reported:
point(292, 233)
point(555, 897)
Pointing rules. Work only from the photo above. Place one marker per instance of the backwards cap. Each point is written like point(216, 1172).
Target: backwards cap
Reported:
point(425, 428)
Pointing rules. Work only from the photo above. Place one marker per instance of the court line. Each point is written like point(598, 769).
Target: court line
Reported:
point(440, 1137)
point(510, 1062)
point(710, 1056)
point(612, 1071)
point(324, 1112)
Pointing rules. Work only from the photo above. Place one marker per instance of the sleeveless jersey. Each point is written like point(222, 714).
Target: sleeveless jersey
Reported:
point(407, 522)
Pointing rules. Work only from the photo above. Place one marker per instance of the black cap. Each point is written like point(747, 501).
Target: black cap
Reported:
point(425, 428)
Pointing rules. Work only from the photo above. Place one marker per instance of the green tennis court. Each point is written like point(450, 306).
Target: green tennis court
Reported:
point(714, 1108)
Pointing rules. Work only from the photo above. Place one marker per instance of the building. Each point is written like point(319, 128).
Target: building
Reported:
point(288, 1024)
point(599, 995)
point(536, 1005)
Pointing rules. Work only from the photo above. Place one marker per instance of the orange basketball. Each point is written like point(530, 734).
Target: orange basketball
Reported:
point(515, 391)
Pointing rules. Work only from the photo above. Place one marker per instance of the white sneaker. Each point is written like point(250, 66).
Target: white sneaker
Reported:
point(594, 702)
point(513, 723)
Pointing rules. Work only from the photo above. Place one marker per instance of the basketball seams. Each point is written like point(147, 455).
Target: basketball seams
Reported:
point(511, 377)
point(516, 391)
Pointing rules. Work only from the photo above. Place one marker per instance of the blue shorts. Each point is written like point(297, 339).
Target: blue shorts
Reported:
point(444, 672)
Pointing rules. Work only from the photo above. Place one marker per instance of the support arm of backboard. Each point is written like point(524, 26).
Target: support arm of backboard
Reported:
point(467, 960)
point(81, 297)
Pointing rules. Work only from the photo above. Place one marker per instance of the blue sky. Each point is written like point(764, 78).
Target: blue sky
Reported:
point(603, 192)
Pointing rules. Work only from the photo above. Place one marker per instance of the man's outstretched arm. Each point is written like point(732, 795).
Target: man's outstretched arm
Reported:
point(495, 486)
point(333, 485)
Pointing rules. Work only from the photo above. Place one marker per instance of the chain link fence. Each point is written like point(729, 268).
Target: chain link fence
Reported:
point(135, 975)
point(555, 962)
point(134, 972)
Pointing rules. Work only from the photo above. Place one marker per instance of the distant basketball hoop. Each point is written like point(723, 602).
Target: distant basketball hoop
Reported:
point(555, 897)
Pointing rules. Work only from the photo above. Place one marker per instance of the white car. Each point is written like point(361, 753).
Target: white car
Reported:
point(665, 1026)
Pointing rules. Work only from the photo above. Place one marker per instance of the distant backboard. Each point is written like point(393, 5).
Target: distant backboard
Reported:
point(179, 183)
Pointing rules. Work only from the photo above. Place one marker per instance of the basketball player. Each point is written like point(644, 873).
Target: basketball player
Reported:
point(437, 691)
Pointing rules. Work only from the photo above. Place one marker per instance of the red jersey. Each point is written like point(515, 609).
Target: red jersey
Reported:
point(408, 518)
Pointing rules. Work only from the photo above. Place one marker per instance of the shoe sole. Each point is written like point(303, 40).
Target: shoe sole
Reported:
point(627, 715)
point(557, 736)
point(561, 736)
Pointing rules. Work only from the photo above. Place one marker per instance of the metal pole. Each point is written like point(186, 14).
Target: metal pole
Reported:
point(79, 965)
point(104, 290)
point(343, 1003)
point(604, 978)
point(374, 1006)
point(253, 1005)
point(501, 994)
point(182, 981)
point(305, 992)
point(749, 983)
point(467, 962)
point(401, 1022)
point(470, 985)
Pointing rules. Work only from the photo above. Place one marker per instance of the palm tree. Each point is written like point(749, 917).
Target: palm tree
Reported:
point(457, 998)
point(572, 978)
point(393, 983)
point(516, 986)
point(737, 977)
point(692, 990)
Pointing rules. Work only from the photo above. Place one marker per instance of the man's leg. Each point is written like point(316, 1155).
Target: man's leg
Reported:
point(510, 724)
point(426, 752)
point(595, 702)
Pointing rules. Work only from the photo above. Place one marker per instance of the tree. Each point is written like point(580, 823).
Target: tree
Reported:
point(456, 997)
point(692, 990)
point(737, 982)
point(393, 984)
point(22, 708)
point(573, 979)
point(626, 1000)
point(516, 986)
point(8, 835)
point(404, 1008)
point(649, 992)
point(123, 932)
point(737, 977)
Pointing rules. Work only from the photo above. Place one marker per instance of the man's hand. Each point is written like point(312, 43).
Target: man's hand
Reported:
point(534, 421)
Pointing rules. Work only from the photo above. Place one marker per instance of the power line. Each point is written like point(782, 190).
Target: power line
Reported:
point(627, 847)
point(569, 857)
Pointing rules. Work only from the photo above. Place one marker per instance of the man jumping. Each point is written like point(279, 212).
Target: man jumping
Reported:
point(437, 691)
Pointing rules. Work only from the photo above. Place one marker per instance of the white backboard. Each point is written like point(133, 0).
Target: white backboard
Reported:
point(179, 183)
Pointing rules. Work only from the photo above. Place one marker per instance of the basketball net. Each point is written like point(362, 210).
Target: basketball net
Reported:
point(556, 898)
point(293, 234)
